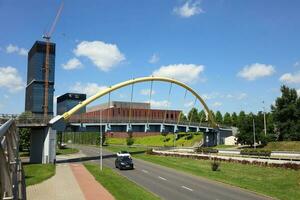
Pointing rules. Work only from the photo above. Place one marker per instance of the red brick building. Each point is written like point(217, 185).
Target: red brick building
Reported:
point(126, 111)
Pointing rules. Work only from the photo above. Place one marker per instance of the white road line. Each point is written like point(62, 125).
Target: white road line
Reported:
point(145, 171)
point(187, 188)
point(162, 178)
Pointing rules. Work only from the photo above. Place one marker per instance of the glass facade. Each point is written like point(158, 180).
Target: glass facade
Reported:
point(35, 88)
point(68, 101)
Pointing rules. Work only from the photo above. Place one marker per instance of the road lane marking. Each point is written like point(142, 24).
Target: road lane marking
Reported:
point(145, 171)
point(162, 178)
point(187, 188)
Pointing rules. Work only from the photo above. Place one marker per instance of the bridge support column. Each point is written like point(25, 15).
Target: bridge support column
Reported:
point(49, 153)
point(43, 145)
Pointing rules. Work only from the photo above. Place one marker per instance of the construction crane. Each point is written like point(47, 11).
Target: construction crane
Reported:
point(47, 37)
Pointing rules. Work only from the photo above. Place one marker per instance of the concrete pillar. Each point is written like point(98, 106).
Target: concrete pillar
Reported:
point(162, 128)
point(43, 145)
point(147, 127)
point(37, 139)
point(49, 151)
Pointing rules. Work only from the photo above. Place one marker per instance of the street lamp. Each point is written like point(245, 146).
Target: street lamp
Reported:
point(265, 123)
point(101, 141)
point(254, 133)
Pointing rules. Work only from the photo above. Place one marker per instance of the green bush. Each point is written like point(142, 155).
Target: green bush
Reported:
point(215, 165)
point(206, 150)
point(129, 141)
point(189, 136)
point(256, 152)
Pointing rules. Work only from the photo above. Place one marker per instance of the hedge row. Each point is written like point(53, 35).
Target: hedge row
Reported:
point(293, 166)
point(256, 152)
point(206, 150)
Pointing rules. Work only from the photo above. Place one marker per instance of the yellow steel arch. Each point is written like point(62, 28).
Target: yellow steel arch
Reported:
point(68, 114)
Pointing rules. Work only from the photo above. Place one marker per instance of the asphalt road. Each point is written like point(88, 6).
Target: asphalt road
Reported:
point(171, 184)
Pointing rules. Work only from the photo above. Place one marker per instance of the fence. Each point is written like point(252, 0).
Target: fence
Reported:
point(12, 179)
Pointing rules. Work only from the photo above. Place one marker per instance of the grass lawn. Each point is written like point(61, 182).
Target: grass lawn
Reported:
point(274, 182)
point(66, 151)
point(125, 148)
point(36, 173)
point(283, 146)
point(158, 140)
point(119, 186)
point(223, 146)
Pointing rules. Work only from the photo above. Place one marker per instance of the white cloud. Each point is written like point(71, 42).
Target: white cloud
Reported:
point(290, 78)
point(73, 63)
point(23, 52)
point(189, 9)
point(89, 88)
point(298, 92)
point(154, 58)
point(241, 96)
point(103, 55)
point(216, 95)
point(146, 92)
point(187, 73)
point(189, 104)
point(15, 49)
point(12, 48)
point(257, 70)
point(229, 96)
point(160, 104)
point(212, 95)
point(216, 104)
point(10, 79)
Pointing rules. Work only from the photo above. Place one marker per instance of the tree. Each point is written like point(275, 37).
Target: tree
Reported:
point(193, 115)
point(286, 114)
point(219, 117)
point(227, 119)
point(245, 126)
point(234, 119)
point(182, 117)
point(24, 143)
point(129, 139)
point(202, 116)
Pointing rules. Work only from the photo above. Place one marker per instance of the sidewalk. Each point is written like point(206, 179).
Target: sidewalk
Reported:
point(71, 181)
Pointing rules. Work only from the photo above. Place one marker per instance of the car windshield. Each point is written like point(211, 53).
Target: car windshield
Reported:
point(125, 158)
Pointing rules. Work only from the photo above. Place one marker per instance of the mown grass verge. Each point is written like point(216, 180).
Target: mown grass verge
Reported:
point(66, 151)
point(283, 146)
point(159, 140)
point(119, 186)
point(36, 173)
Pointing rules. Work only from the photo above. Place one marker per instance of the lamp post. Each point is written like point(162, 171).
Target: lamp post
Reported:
point(254, 133)
point(101, 141)
point(265, 123)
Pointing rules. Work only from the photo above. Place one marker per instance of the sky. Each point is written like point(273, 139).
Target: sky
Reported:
point(235, 54)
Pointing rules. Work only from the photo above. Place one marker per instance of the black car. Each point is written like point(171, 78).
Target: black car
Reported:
point(124, 162)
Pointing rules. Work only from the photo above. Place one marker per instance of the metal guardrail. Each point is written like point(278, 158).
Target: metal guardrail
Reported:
point(12, 179)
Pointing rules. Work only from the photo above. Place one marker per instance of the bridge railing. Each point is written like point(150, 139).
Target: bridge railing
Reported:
point(125, 120)
point(40, 119)
point(12, 179)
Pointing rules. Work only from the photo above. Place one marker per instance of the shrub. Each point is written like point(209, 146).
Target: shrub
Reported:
point(255, 152)
point(189, 136)
point(150, 151)
point(215, 165)
point(206, 150)
point(129, 141)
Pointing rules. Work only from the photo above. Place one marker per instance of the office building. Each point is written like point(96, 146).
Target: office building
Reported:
point(34, 98)
point(68, 101)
